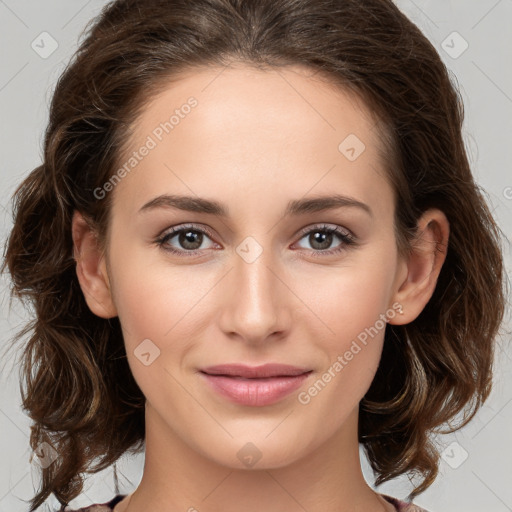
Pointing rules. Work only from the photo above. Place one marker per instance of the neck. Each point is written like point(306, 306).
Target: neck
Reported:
point(178, 477)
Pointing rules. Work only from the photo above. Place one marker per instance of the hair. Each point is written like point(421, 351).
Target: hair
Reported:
point(78, 389)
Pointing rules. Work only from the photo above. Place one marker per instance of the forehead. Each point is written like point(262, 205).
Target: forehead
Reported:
point(281, 130)
point(296, 98)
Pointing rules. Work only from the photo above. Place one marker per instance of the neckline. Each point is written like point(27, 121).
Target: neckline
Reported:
point(119, 497)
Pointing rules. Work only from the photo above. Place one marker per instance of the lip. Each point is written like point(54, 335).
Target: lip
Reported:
point(257, 385)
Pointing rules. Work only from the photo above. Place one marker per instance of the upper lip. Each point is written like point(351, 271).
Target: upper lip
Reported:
point(254, 372)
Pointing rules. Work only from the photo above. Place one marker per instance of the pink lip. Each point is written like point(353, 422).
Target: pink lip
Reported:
point(255, 386)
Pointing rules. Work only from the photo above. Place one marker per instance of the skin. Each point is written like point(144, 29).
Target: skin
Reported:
point(256, 140)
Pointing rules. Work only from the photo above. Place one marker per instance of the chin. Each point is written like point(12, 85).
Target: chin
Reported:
point(259, 452)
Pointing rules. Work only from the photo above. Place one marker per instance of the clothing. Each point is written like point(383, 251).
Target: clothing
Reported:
point(401, 506)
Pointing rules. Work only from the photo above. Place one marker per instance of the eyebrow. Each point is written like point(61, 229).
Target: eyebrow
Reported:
point(294, 207)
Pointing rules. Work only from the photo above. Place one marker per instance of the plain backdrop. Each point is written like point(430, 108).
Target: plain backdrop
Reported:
point(474, 39)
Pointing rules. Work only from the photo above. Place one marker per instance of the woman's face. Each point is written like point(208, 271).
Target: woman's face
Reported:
point(259, 278)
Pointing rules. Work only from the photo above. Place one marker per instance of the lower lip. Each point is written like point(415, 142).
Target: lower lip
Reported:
point(255, 392)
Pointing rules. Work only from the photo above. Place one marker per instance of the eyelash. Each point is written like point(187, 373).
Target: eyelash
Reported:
point(347, 238)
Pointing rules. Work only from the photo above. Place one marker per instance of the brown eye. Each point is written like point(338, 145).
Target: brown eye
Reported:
point(187, 240)
point(322, 237)
point(320, 240)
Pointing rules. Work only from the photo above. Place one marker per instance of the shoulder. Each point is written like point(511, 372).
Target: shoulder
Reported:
point(403, 506)
point(97, 507)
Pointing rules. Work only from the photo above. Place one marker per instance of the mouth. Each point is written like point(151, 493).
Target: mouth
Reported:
point(255, 386)
point(270, 370)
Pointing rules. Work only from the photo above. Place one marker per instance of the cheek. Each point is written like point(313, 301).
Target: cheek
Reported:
point(352, 303)
point(157, 308)
point(348, 299)
point(158, 299)
point(352, 348)
point(163, 304)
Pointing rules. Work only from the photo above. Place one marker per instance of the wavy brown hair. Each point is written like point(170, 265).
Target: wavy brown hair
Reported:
point(77, 386)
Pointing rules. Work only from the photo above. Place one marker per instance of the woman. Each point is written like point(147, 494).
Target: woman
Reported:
point(254, 244)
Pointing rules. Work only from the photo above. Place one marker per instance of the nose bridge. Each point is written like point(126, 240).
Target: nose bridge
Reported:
point(256, 306)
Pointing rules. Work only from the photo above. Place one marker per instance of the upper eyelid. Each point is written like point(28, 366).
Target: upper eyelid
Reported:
point(324, 226)
point(178, 229)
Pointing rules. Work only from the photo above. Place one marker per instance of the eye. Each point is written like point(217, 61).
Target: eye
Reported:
point(190, 238)
point(321, 237)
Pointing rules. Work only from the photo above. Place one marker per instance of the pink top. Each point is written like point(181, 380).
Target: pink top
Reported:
point(401, 506)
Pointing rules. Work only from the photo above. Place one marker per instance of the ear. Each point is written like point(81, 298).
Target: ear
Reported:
point(91, 268)
point(420, 271)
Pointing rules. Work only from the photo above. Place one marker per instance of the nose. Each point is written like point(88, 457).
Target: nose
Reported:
point(256, 301)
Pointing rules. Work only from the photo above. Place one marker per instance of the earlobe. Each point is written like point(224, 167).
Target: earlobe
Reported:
point(91, 268)
point(423, 266)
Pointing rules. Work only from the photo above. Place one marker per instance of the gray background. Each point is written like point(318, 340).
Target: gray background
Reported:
point(476, 470)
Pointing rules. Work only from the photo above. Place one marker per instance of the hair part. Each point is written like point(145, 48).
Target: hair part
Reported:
point(78, 388)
